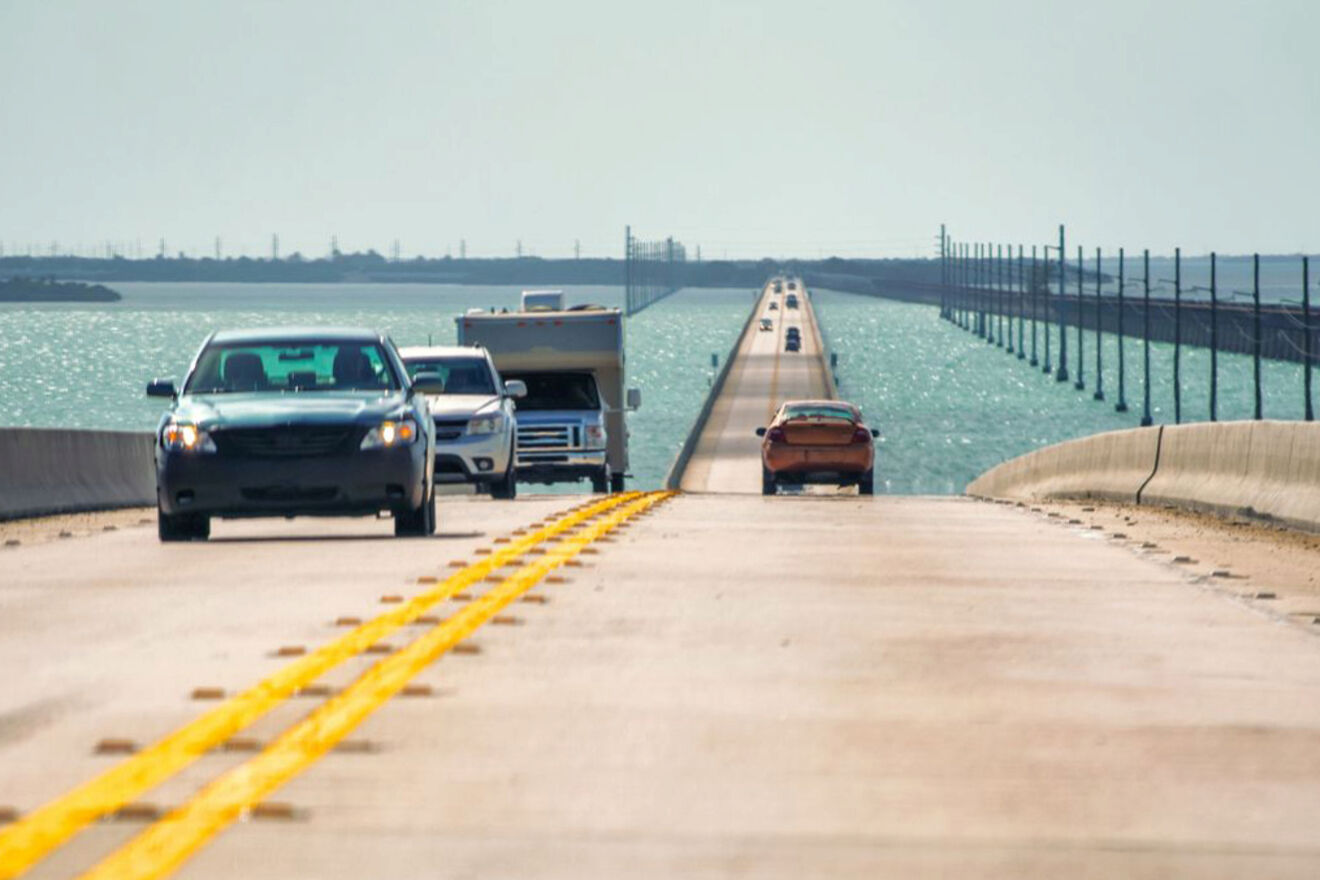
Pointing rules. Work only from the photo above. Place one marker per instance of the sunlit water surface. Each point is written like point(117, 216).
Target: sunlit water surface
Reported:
point(86, 366)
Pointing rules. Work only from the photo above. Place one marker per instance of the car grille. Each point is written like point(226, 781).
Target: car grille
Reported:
point(286, 441)
point(533, 437)
point(449, 429)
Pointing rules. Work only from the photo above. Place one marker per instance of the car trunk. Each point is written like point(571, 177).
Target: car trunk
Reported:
point(818, 432)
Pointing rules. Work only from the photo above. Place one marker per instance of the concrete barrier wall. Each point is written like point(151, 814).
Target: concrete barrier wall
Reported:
point(1269, 469)
point(1112, 466)
point(45, 471)
point(1264, 469)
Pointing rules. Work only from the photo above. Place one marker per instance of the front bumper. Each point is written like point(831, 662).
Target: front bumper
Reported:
point(560, 465)
point(460, 460)
point(351, 483)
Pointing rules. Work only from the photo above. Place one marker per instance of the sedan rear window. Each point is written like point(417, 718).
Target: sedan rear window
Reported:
point(292, 366)
point(819, 411)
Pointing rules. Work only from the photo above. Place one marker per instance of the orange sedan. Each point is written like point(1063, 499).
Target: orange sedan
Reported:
point(817, 441)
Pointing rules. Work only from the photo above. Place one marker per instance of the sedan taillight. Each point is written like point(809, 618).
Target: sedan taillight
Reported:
point(775, 435)
point(861, 435)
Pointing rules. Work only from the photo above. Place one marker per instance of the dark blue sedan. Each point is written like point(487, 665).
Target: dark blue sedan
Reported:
point(294, 422)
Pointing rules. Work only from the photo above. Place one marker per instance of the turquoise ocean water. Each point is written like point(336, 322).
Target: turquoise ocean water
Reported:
point(950, 406)
point(86, 366)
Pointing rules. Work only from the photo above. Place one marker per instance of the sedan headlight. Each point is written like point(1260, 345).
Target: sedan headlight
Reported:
point(185, 437)
point(391, 433)
point(492, 423)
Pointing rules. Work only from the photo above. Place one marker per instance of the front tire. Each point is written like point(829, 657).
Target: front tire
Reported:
point(600, 482)
point(768, 486)
point(182, 526)
point(866, 485)
point(506, 487)
point(417, 523)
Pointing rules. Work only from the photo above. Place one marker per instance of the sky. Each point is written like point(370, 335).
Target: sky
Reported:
point(746, 128)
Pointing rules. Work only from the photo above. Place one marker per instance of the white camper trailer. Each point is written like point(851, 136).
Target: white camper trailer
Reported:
point(571, 424)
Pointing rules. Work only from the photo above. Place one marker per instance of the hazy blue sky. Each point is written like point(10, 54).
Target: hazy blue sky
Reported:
point(747, 127)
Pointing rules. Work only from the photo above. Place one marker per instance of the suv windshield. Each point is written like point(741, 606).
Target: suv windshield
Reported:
point(557, 391)
point(292, 366)
point(462, 375)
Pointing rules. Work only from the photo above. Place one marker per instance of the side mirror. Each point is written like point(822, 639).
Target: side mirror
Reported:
point(760, 432)
point(875, 433)
point(162, 388)
point(515, 388)
point(634, 398)
point(428, 383)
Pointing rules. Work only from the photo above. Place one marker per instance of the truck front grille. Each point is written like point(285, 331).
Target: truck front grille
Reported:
point(534, 437)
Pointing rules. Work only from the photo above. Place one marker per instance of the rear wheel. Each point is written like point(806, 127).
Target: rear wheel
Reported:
point(866, 485)
point(600, 482)
point(767, 481)
point(616, 482)
point(417, 523)
point(182, 526)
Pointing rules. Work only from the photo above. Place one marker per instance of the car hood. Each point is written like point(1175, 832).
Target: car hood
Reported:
point(460, 405)
point(558, 416)
point(265, 410)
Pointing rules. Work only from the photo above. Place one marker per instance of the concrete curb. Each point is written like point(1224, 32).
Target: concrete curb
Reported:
point(675, 476)
point(1266, 469)
point(46, 471)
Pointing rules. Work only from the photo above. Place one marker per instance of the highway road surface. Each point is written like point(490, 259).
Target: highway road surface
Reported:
point(727, 457)
point(704, 685)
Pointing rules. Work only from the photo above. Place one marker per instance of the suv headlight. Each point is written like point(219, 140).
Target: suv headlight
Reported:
point(391, 433)
point(185, 437)
point(492, 423)
point(594, 436)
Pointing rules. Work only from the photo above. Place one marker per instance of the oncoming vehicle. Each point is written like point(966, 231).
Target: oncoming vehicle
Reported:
point(792, 285)
point(791, 301)
point(779, 287)
point(767, 323)
point(476, 426)
point(774, 306)
point(817, 441)
point(294, 422)
point(792, 343)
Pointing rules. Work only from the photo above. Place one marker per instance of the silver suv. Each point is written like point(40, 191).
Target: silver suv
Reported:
point(475, 421)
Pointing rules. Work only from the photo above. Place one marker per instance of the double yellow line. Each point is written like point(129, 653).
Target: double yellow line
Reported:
point(165, 845)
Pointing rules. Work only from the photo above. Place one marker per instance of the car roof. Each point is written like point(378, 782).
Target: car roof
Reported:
point(297, 334)
point(417, 352)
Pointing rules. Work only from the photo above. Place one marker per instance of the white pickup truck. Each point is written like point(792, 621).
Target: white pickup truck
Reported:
point(571, 422)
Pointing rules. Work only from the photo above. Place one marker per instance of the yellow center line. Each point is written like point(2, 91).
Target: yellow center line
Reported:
point(167, 844)
point(32, 837)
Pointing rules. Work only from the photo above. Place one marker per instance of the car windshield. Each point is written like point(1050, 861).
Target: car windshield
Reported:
point(286, 365)
point(818, 411)
point(462, 375)
point(557, 391)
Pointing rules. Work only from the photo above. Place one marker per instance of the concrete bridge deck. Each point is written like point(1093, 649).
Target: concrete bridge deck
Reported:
point(721, 685)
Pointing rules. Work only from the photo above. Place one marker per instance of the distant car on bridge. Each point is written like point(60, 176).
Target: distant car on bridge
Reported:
point(792, 343)
point(767, 323)
point(295, 422)
point(817, 441)
point(791, 301)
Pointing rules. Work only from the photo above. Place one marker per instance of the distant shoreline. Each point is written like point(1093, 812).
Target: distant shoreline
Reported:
point(39, 290)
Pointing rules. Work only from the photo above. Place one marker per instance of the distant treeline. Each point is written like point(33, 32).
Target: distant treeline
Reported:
point(859, 276)
point(49, 290)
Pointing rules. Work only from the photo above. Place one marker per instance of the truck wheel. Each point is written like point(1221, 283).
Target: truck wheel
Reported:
point(506, 487)
point(182, 526)
point(866, 485)
point(417, 523)
point(767, 481)
point(600, 483)
point(616, 482)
